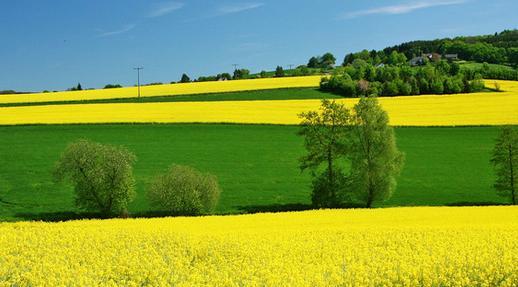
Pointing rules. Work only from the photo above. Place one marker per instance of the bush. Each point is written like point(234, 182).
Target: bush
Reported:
point(111, 86)
point(183, 190)
point(102, 176)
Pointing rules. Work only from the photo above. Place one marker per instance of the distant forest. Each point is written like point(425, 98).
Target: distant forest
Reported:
point(499, 48)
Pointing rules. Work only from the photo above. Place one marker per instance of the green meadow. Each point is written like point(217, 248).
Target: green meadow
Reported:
point(257, 165)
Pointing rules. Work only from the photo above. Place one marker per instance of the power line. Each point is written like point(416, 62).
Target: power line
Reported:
point(138, 78)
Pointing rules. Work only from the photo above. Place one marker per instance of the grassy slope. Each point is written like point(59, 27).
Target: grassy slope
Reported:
point(275, 94)
point(475, 65)
point(256, 165)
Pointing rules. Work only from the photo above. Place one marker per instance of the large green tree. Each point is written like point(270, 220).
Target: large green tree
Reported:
point(374, 157)
point(505, 162)
point(325, 139)
point(102, 176)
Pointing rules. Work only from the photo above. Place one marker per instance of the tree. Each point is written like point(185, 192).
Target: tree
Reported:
point(79, 88)
point(327, 61)
point(325, 140)
point(183, 190)
point(313, 63)
point(185, 79)
point(437, 86)
point(375, 158)
point(279, 72)
point(224, 77)
point(241, 74)
point(390, 89)
point(505, 163)
point(102, 176)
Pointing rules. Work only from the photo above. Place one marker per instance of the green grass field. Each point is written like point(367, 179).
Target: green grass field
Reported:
point(275, 94)
point(475, 65)
point(256, 164)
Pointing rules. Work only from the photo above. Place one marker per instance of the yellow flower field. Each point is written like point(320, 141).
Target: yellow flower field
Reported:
point(167, 90)
point(495, 108)
point(421, 246)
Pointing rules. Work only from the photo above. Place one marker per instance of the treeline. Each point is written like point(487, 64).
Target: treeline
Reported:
point(354, 160)
point(242, 74)
point(8, 92)
point(500, 48)
point(493, 72)
point(362, 78)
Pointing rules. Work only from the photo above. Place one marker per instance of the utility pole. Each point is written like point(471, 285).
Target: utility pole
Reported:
point(138, 78)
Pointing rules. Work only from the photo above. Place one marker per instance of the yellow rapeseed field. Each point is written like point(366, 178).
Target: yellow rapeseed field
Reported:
point(167, 90)
point(422, 246)
point(494, 108)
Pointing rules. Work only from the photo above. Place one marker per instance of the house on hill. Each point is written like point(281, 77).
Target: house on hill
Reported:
point(452, 57)
point(421, 60)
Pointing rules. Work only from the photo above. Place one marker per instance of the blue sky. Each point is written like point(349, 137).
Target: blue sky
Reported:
point(55, 44)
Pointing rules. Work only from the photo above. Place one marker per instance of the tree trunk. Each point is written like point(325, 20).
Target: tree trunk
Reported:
point(512, 173)
point(369, 201)
point(330, 175)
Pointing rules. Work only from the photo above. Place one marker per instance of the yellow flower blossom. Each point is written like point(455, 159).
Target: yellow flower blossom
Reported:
point(421, 246)
point(492, 108)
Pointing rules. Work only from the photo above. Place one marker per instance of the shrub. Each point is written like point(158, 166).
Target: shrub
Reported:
point(111, 86)
point(183, 190)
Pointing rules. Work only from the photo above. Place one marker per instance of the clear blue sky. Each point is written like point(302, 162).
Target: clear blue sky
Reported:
point(55, 44)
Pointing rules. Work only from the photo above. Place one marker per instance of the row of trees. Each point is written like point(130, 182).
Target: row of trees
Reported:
point(325, 62)
point(375, 58)
point(352, 155)
point(361, 78)
point(493, 72)
point(102, 177)
point(240, 74)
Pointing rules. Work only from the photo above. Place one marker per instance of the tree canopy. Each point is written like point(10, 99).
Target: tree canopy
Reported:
point(102, 176)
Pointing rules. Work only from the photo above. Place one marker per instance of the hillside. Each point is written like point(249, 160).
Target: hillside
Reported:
point(500, 48)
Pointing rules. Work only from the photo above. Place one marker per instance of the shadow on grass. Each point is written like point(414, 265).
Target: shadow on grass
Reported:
point(480, 203)
point(72, 215)
point(274, 208)
point(59, 216)
point(287, 207)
